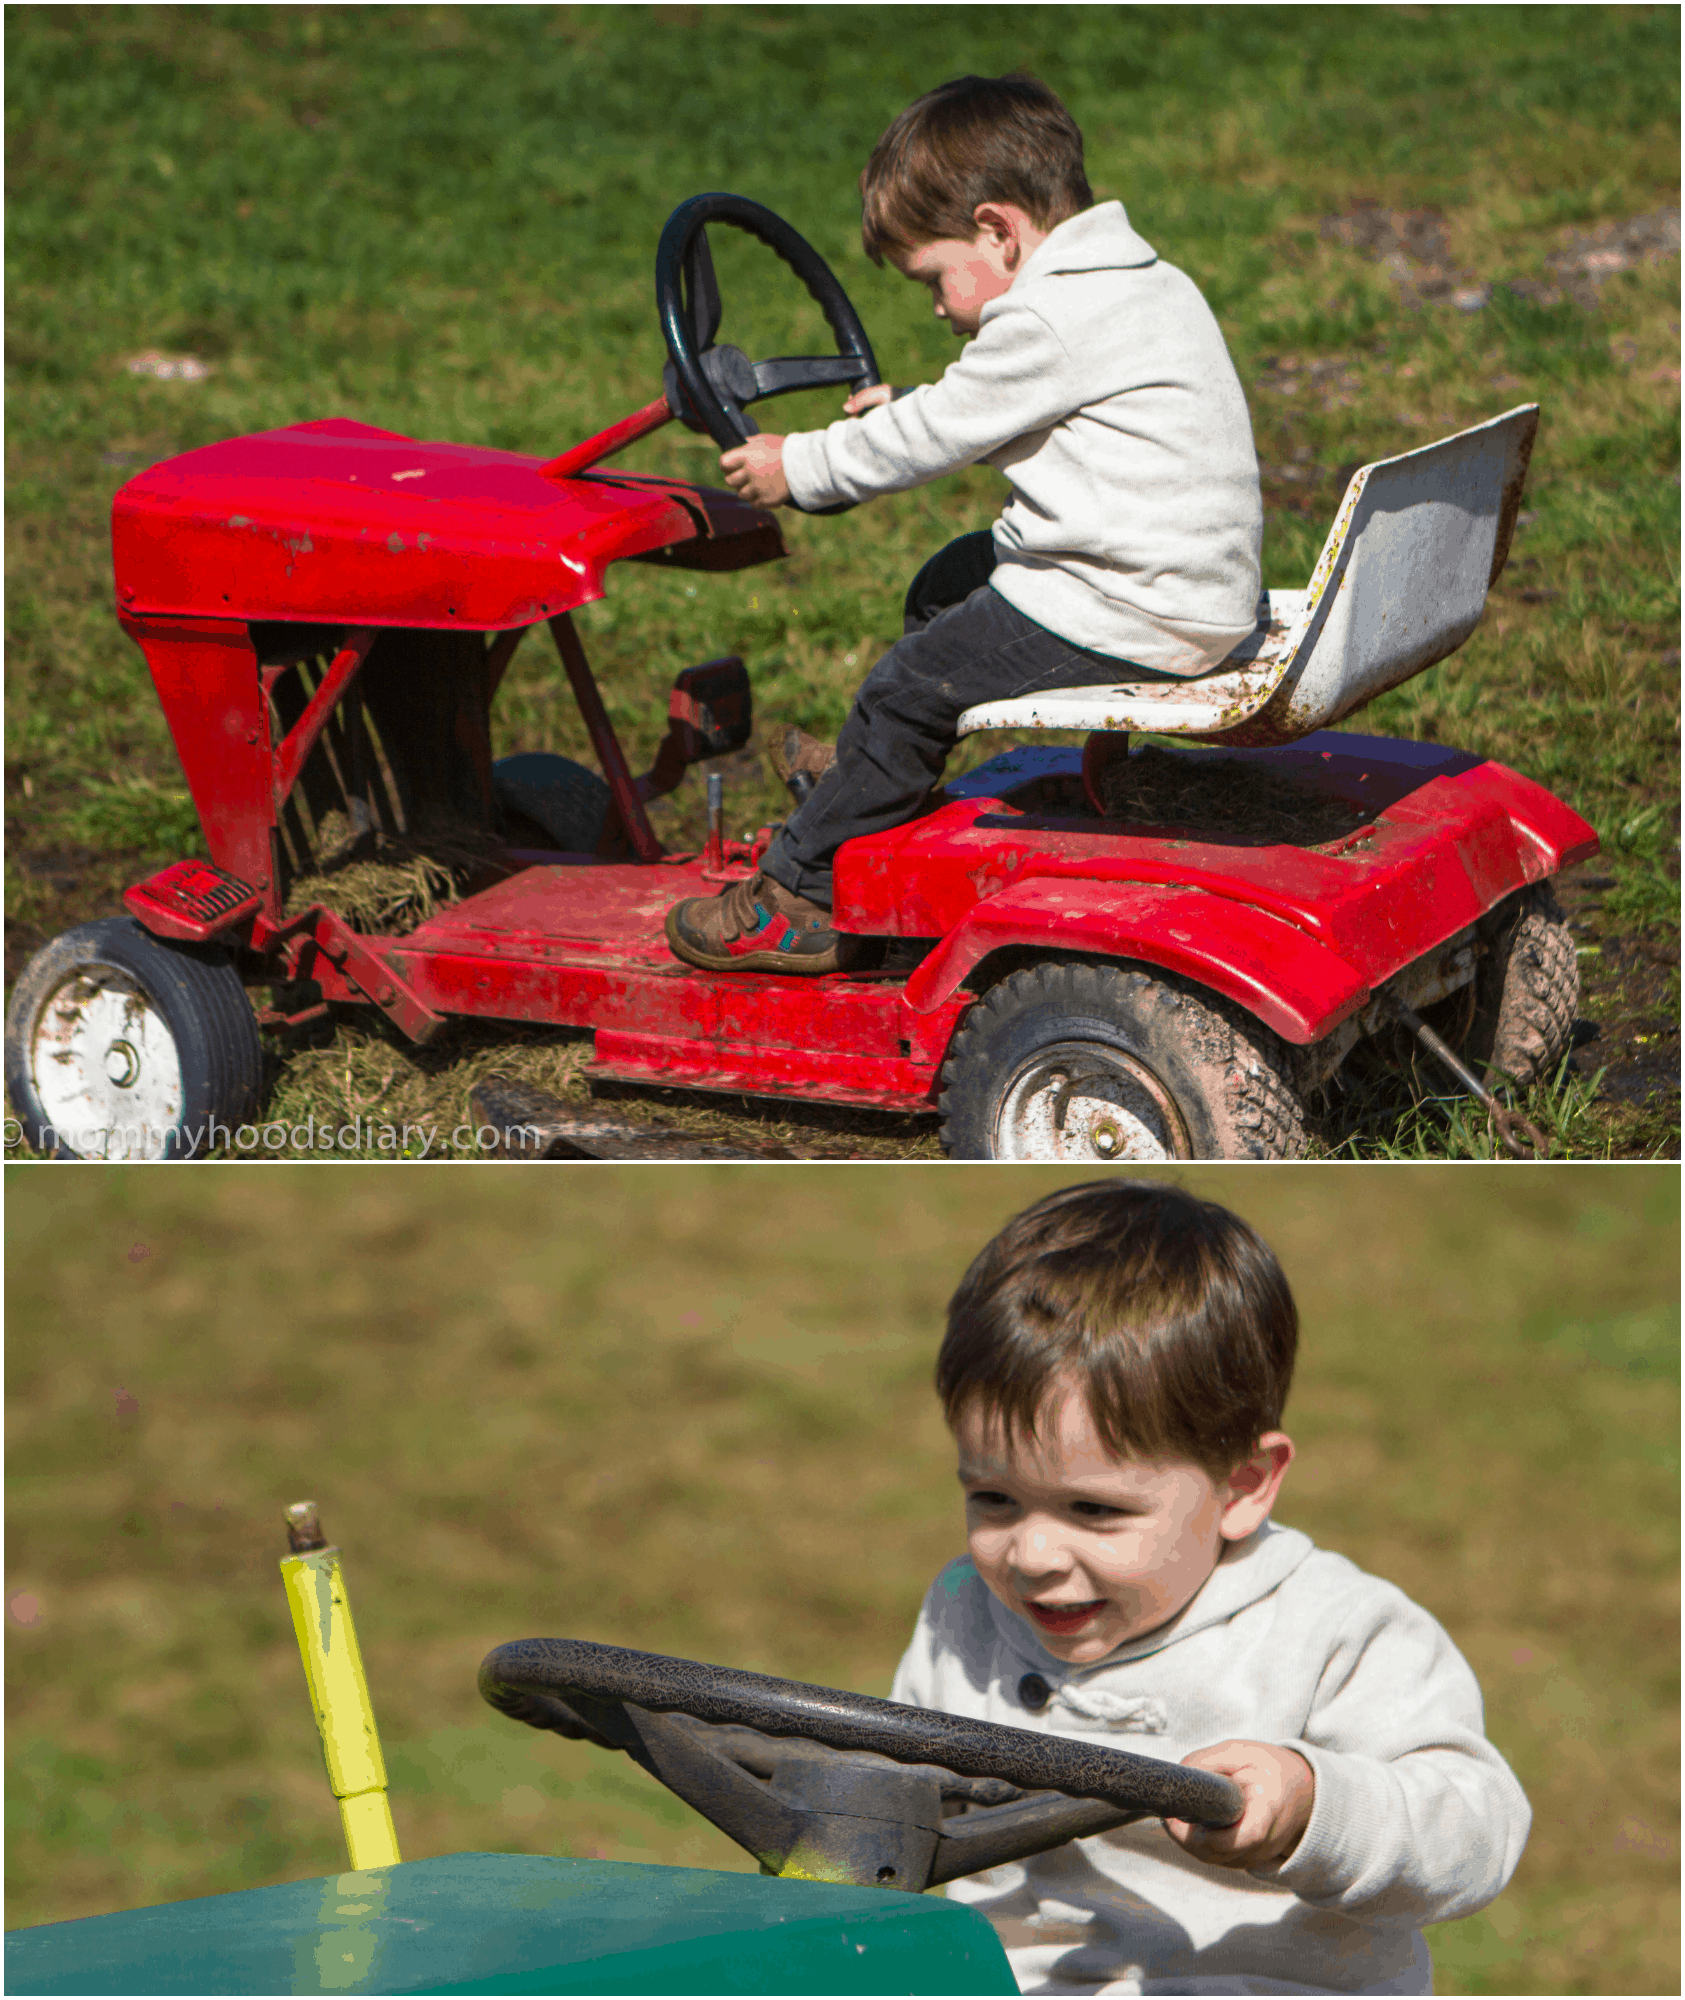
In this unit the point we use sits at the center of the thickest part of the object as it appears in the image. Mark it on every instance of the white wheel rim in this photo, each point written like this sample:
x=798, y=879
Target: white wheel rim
x=105, y=1067
x=1087, y=1104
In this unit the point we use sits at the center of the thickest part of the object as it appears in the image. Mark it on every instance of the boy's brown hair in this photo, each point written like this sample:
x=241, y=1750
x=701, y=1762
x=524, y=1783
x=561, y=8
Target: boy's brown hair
x=1171, y=1315
x=971, y=140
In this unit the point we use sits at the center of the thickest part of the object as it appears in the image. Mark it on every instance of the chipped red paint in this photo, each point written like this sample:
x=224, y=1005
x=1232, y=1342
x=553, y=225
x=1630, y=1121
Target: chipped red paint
x=885, y=1084
x=338, y=521
x=206, y=674
x=583, y=946
x=1454, y=834
x=1290, y=981
x=1301, y=938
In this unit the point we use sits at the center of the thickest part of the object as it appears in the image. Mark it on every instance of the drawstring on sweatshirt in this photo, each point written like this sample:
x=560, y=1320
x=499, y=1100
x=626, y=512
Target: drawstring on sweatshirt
x=1134, y=1714
x=1141, y=1714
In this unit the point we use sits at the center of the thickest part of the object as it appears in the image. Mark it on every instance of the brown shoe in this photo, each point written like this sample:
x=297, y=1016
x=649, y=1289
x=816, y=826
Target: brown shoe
x=758, y=926
x=799, y=759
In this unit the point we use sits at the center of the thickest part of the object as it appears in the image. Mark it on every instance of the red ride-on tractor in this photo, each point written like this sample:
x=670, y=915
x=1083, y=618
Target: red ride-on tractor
x=1118, y=952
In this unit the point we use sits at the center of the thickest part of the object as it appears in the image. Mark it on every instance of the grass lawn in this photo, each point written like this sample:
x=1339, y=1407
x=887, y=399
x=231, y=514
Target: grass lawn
x=699, y=1422
x=442, y=220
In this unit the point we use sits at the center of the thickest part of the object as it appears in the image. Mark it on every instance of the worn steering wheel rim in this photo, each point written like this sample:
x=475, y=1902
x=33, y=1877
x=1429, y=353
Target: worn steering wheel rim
x=512, y=1675
x=725, y=423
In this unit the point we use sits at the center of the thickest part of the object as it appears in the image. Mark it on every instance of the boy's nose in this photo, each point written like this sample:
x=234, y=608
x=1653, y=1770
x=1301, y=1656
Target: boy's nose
x=1037, y=1550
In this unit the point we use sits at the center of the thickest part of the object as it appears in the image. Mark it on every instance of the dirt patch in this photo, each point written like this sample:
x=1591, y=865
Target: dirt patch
x=1413, y=245
x=52, y=889
x=1236, y=803
x=1628, y=1017
x=1331, y=381
x=1587, y=259
x=1163, y=790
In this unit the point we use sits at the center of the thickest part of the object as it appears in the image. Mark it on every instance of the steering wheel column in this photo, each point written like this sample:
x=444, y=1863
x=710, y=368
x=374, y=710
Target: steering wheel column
x=800, y=1809
x=708, y=384
x=834, y=1787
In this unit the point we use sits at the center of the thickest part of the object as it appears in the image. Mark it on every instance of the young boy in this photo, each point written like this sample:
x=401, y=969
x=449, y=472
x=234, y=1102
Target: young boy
x=1114, y=1372
x=1097, y=381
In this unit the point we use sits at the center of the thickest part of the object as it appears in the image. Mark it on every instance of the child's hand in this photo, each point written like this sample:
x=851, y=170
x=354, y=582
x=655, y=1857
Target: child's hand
x=755, y=471
x=868, y=399
x=1278, y=1788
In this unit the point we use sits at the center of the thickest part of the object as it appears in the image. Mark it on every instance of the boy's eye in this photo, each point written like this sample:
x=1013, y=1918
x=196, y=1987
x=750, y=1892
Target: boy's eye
x=984, y=1497
x=1093, y=1509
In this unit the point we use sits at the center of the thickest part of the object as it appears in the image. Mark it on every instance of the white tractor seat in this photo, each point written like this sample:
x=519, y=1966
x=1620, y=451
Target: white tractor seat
x=1400, y=584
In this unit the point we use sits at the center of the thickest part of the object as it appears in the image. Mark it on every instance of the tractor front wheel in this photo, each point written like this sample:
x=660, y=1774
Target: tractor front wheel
x=120, y=1046
x=1100, y=1064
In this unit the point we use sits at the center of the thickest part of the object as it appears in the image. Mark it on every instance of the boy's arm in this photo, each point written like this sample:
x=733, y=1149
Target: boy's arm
x=1415, y=1817
x=755, y=470
x=1014, y=379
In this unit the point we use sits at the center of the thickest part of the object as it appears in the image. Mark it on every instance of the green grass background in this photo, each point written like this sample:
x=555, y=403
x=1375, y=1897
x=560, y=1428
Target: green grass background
x=688, y=1409
x=442, y=220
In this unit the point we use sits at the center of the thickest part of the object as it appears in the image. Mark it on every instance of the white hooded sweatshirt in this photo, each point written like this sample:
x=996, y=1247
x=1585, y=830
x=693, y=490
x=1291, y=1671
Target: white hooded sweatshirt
x=1416, y=1819
x=1100, y=386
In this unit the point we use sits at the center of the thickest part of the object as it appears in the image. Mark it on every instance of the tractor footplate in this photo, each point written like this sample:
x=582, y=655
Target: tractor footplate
x=191, y=900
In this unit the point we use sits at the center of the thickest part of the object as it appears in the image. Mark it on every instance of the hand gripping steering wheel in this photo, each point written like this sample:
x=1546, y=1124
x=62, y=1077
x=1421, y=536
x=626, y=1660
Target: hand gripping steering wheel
x=709, y=386
x=839, y=1787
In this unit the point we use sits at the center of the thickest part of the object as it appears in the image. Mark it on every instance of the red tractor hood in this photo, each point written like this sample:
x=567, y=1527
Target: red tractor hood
x=338, y=522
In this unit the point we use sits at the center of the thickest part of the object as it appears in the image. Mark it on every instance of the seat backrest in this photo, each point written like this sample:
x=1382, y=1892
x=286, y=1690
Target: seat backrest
x=1401, y=582
x=1402, y=579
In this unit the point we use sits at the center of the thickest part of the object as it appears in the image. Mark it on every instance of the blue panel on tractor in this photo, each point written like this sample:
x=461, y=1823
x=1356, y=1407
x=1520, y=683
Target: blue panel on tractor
x=523, y=1923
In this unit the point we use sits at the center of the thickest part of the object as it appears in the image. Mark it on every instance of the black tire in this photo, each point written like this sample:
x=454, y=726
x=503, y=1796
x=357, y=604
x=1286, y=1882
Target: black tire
x=1527, y=991
x=569, y=802
x=180, y=1050
x=1178, y=1073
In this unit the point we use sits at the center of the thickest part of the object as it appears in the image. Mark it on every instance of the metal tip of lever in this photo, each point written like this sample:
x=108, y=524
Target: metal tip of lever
x=304, y=1529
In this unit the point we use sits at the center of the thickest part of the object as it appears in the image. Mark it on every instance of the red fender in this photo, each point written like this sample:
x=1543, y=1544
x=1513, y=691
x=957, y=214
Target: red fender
x=1290, y=981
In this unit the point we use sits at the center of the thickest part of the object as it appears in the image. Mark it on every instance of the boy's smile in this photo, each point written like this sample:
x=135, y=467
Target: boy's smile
x=1092, y=1549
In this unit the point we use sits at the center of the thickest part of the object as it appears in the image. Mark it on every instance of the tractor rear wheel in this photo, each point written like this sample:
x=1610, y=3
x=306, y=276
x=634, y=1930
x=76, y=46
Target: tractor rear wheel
x=1527, y=991
x=122, y=1046
x=1100, y=1064
x=569, y=803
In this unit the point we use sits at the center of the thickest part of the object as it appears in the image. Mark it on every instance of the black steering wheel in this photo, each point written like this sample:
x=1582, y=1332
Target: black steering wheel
x=709, y=386
x=842, y=1787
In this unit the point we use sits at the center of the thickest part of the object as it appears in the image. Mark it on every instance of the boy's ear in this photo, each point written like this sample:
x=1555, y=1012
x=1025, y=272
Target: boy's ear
x=990, y=219
x=1255, y=1485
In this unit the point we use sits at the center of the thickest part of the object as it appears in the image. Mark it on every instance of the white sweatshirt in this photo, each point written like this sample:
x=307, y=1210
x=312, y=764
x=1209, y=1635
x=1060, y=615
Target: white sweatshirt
x=1417, y=1818
x=1101, y=387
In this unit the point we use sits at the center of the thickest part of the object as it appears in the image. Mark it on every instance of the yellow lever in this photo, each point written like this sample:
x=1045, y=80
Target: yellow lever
x=339, y=1693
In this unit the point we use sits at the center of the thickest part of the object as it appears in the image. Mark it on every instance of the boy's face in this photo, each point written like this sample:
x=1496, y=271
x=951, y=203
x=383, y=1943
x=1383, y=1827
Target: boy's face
x=1091, y=1549
x=963, y=276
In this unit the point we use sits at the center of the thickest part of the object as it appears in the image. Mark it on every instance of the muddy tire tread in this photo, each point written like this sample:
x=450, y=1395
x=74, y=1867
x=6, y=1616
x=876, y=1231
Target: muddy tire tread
x=1530, y=992
x=1253, y=1110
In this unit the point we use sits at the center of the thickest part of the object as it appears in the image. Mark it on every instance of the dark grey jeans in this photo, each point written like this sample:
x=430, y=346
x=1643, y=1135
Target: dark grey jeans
x=963, y=644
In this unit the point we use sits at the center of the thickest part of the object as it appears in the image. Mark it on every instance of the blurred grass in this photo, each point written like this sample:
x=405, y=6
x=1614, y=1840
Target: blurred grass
x=442, y=220
x=688, y=1409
